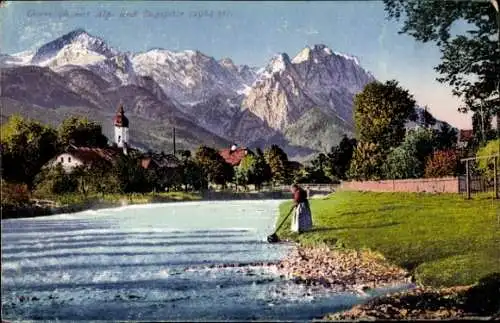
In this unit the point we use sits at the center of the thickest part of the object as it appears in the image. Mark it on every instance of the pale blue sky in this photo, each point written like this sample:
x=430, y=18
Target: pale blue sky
x=247, y=32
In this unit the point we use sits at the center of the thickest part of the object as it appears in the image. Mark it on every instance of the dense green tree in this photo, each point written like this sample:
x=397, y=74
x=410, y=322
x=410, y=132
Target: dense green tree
x=245, y=171
x=277, y=160
x=481, y=126
x=402, y=163
x=130, y=175
x=302, y=175
x=485, y=165
x=380, y=113
x=317, y=170
x=54, y=180
x=214, y=167
x=445, y=137
x=190, y=171
x=467, y=34
x=81, y=132
x=339, y=159
x=421, y=142
x=262, y=171
x=26, y=147
x=167, y=178
x=408, y=159
x=367, y=162
x=192, y=175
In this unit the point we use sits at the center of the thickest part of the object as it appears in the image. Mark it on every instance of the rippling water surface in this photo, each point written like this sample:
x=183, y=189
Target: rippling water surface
x=152, y=262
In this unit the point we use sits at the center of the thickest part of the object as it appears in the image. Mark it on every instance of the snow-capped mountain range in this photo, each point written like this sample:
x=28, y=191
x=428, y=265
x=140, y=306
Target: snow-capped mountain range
x=302, y=103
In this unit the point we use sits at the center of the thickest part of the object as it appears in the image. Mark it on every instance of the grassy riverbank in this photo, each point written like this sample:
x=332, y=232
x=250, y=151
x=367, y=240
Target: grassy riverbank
x=444, y=240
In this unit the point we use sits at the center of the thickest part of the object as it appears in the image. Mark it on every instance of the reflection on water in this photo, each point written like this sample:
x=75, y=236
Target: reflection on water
x=152, y=262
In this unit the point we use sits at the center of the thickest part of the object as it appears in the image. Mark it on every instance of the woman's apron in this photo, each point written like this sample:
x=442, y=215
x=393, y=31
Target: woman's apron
x=302, y=219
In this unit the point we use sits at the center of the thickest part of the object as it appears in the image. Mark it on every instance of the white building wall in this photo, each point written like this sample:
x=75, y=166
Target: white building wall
x=68, y=162
x=121, y=136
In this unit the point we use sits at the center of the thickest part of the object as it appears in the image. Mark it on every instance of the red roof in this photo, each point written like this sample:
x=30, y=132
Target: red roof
x=233, y=157
x=465, y=135
x=120, y=119
x=91, y=155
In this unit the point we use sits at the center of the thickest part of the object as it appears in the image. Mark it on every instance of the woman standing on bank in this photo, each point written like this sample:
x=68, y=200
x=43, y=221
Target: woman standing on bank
x=302, y=219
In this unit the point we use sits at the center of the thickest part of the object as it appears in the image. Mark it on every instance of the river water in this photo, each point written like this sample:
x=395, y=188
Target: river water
x=152, y=262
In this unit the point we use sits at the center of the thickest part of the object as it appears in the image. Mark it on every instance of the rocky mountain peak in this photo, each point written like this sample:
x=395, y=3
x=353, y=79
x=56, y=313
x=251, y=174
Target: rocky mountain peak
x=278, y=63
x=319, y=53
x=229, y=64
x=226, y=61
x=79, y=39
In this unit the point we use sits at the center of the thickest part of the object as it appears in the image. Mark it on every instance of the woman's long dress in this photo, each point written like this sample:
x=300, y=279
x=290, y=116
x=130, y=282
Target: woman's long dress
x=302, y=219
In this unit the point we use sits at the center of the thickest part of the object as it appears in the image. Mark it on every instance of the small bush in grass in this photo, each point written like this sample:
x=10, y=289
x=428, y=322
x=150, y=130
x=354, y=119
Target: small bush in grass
x=442, y=163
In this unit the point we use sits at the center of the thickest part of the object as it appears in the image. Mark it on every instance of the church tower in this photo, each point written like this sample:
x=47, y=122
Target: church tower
x=121, y=129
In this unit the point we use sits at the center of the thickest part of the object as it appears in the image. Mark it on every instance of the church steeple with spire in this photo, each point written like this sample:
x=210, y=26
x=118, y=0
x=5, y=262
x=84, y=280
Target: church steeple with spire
x=121, y=128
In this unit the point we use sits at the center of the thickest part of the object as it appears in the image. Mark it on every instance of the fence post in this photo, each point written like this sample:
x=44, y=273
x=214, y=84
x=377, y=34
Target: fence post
x=467, y=178
x=495, y=176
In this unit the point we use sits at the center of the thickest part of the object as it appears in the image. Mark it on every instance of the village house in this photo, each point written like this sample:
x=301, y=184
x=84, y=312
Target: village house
x=75, y=157
x=154, y=161
x=234, y=155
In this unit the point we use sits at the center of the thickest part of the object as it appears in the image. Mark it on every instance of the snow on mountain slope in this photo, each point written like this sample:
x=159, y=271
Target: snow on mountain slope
x=77, y=41
x=117, y=69
x=278, y=63
x=191, y=77
x=73, y=54
x=78, y=48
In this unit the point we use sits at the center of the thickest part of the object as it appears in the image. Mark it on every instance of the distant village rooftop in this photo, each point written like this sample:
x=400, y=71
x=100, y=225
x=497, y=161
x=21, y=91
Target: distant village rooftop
x=234, y=155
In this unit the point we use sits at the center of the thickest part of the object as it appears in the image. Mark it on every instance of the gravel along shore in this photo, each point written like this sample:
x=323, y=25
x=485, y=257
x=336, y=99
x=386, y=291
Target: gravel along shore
x=332, y=269
x=359, y=271
x=341, y=270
